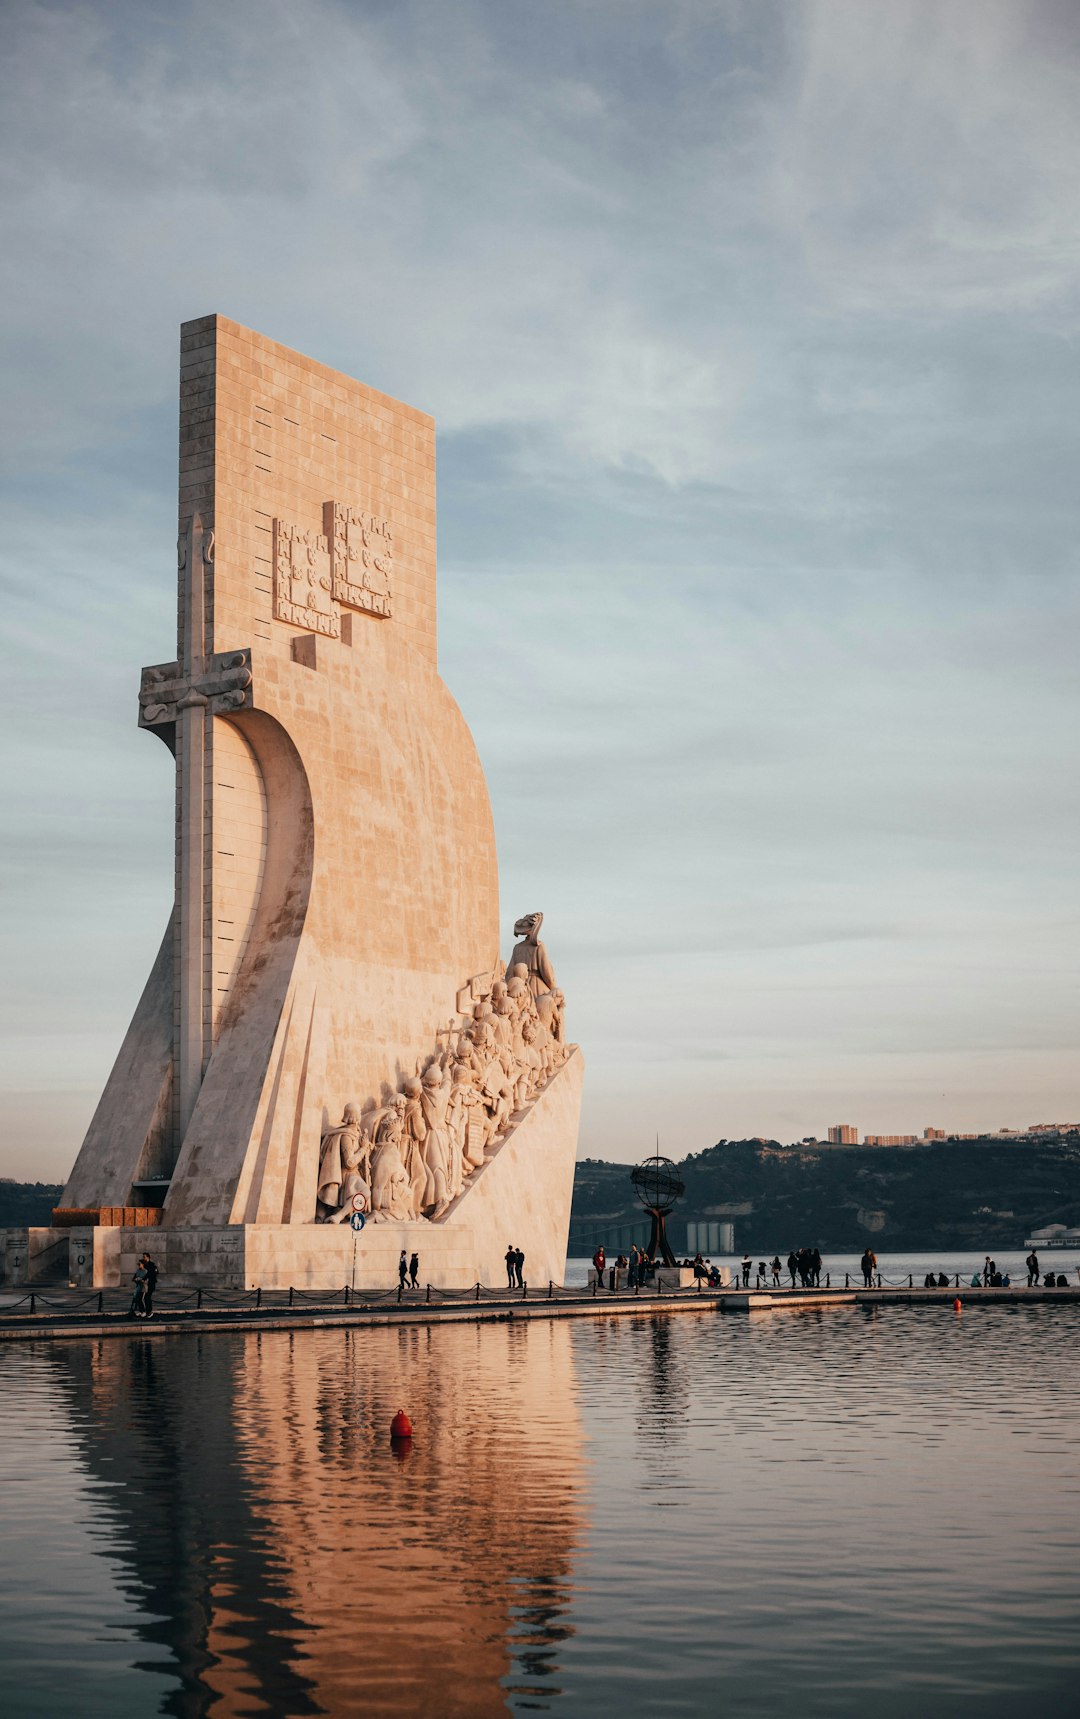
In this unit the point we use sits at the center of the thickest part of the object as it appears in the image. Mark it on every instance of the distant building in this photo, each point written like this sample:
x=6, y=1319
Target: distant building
x=844, y=1135
x=890, y=1139
x=934, y=1134
x=1054, y=1235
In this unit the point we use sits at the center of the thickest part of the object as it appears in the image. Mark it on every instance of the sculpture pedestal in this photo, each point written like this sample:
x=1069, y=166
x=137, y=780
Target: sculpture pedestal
x=520, y=1196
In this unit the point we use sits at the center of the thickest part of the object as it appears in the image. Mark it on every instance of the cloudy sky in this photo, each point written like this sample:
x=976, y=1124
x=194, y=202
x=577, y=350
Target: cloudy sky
x=750, y=330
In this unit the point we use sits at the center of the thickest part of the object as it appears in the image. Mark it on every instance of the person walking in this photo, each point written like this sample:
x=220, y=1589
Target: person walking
x=414, y=1271
x=747, y=1264
x=511, y=1263
x=519, y=1261
x=599, y=1260
x=402, y=1269
x=137, y=1310
x=151, y=1271
x=1032, y=1263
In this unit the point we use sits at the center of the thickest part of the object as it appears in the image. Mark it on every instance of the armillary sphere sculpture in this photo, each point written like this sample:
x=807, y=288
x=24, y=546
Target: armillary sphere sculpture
x=658, y=1188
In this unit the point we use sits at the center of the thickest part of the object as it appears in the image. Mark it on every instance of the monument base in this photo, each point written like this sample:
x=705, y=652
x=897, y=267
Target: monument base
x=520, y=1197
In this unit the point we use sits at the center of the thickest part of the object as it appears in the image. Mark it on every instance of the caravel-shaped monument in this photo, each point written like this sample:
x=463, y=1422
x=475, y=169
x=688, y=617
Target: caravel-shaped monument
x=328, y=1029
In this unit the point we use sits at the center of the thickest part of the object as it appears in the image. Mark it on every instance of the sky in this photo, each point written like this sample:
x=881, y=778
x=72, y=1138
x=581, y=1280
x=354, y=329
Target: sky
x=750, y=331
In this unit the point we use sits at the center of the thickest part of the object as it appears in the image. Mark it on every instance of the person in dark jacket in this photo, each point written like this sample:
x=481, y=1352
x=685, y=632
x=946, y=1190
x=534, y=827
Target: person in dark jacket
x=414, y=1271
x=403, y=1268
x=151, y=1271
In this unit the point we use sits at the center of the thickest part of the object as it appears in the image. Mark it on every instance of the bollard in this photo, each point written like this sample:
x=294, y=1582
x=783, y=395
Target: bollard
x=346, y=1295
x=101, y=1301
x=910, y=1284
x=826, y=1280
x=198, y=1297
x=524, y=1291
x=428, y=1296
x=290, y=1295
x=847, y=1280
x=594, y=1289
x=400, y=1289
x=551, y=1289
x=258, y=1297
x=958, y=1280
x=33, y=1301
x=879, y=1280
x=478, y=1292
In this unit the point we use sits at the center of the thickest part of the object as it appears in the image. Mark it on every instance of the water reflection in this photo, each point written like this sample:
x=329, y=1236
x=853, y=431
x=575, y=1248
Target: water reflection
x=290, y=1561
x=849, y=1510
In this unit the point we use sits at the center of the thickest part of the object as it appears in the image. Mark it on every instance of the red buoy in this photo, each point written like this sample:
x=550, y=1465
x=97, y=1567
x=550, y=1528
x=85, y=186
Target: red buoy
x=958, y=1304
x=401, y=1425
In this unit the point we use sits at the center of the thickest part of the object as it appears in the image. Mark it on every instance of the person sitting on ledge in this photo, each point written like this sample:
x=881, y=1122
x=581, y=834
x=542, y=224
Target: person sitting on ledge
x=942, y=1280
x=929, y=1281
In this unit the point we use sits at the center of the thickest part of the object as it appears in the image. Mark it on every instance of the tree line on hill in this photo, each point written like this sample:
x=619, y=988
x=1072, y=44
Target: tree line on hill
x=961, y=1195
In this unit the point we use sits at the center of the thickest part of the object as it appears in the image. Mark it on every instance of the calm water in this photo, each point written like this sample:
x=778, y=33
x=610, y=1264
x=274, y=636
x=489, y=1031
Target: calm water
x=832, y=1512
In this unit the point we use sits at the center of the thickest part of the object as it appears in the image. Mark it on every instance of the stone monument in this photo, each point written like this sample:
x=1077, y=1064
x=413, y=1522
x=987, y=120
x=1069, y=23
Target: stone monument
x=328, y=1033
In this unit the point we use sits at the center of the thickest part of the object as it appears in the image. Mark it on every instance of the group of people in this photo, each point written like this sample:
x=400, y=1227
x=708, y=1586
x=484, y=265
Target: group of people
x=706, y=1272
x=410, y=1158
x=144, y=1283
x=515, y=1261
x=408, y=1270
x=803, y=1266
x=634, y=1269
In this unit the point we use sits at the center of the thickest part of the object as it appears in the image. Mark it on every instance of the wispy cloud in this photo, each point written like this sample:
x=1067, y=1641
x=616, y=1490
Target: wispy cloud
x=748, y=328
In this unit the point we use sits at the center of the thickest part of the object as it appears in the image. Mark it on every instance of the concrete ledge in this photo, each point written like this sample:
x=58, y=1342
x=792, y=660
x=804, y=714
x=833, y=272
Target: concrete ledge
x=18, y=1324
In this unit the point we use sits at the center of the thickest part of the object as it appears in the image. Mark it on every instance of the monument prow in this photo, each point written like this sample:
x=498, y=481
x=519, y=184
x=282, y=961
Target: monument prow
x=336, y=880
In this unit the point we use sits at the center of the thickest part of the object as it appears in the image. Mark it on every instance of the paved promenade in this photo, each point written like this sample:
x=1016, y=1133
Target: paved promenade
x=54, y=1312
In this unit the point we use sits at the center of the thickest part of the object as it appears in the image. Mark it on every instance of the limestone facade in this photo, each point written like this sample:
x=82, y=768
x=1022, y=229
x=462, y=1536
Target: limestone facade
x=336, y=881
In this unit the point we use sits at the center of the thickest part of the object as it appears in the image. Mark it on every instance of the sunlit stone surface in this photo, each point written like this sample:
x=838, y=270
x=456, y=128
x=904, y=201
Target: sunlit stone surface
x=335, y=940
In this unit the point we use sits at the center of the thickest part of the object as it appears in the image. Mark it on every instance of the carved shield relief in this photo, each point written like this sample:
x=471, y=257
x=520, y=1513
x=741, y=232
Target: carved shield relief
x=303, y=581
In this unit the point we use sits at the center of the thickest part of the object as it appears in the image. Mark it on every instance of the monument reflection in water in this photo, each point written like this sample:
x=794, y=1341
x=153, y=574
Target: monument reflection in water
x=287, y=1559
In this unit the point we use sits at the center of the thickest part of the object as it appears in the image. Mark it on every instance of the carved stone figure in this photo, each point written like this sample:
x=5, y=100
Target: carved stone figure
x=465, y=1120
x=391, y=1187
x=531, y=954
x=414, y=1136
x=343, y=1150
x=435, y=1092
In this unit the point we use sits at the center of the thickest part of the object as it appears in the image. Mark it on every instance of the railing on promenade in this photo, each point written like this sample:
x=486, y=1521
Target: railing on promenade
x=117, y=1303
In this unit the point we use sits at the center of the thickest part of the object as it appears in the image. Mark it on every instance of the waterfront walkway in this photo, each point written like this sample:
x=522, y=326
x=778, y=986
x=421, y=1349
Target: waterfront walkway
x=55, y=1312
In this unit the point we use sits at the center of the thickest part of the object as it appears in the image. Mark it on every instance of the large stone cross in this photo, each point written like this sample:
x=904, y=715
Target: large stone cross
x=180, y=696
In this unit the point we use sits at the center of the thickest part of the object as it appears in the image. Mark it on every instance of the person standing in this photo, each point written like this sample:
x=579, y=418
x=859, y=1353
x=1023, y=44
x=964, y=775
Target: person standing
x=1032, y=1263
x=510, y=1257
x=632, y=1273
x=151, y=1271
x=137, y=1310
x=776, y=1269
x=519, y=1262
x=402, y=1269
x=599, y=1260
x=867, y=1263
x=815, y=1267
x=747, y=1263
x=792, y=1265
x=414, y=1271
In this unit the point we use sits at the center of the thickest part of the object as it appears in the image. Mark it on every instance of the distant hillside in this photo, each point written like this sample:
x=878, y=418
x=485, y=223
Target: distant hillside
x=968, y=1194
x=28, y=1202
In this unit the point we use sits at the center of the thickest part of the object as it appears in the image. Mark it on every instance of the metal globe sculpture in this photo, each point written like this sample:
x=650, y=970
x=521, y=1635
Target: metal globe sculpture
x=658, y=1187
x=657, y=1183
